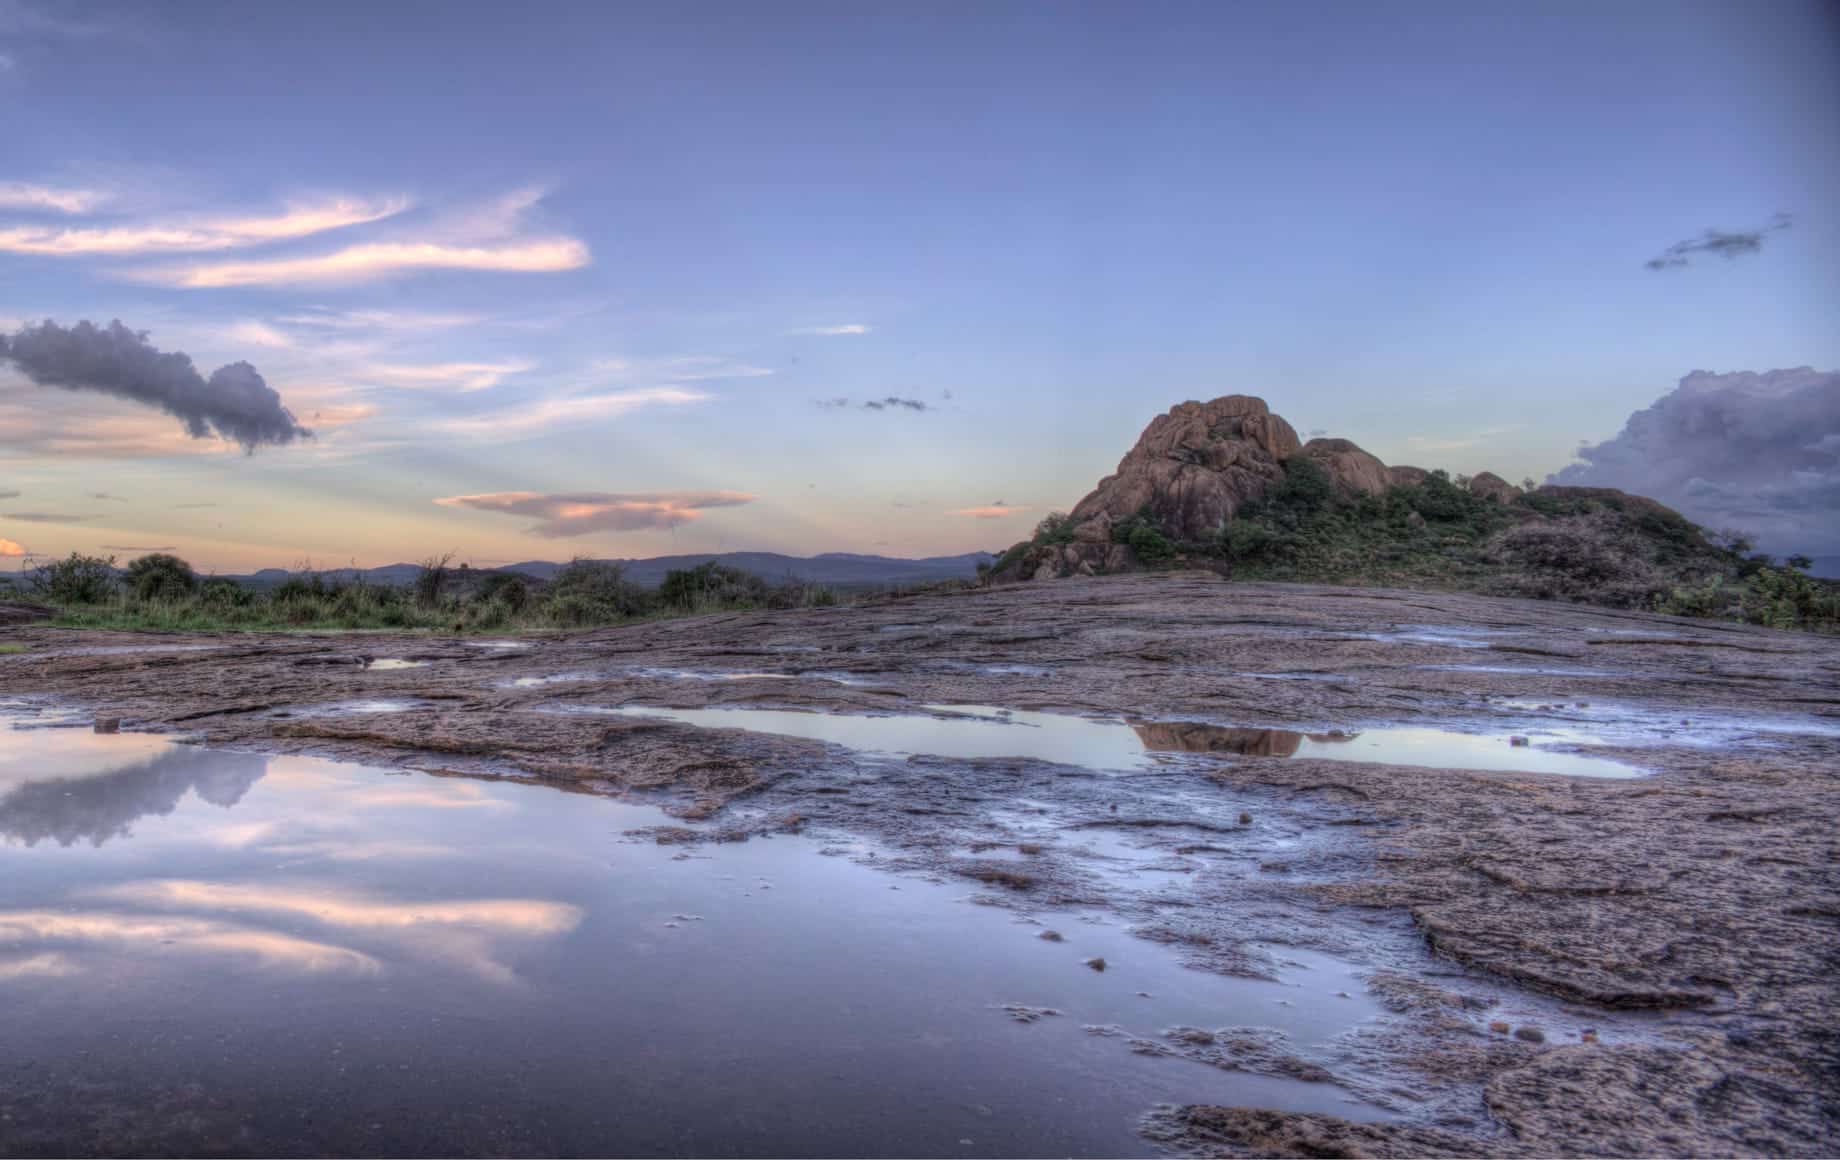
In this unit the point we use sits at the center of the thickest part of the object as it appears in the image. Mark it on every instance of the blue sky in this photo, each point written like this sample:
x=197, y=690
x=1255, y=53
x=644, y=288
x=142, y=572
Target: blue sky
x=615, y=256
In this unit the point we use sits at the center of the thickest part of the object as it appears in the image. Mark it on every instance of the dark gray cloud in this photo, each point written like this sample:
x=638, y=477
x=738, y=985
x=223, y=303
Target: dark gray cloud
x=1721, y=243
x=1759, y=453
x=46, y=518
x=234, y=403
x=107, y=496
x=892, y=402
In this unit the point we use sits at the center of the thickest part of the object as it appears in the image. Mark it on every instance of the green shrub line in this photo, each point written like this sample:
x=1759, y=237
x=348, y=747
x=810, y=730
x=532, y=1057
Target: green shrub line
x=163, y=592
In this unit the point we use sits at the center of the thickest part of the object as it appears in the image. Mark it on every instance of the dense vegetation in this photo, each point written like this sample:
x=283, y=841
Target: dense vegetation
x=163, y=591
x=1586, y=545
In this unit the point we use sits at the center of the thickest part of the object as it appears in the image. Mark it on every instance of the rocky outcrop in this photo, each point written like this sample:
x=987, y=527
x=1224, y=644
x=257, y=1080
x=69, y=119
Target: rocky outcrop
x=1348, y=467
x=1195, y=466
x=1488, y=485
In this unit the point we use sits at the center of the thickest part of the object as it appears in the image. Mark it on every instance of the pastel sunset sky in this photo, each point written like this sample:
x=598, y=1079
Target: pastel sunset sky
x=625, y=280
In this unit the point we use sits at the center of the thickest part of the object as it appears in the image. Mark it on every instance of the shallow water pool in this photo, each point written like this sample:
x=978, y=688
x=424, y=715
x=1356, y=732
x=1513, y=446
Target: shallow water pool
x=208, y=951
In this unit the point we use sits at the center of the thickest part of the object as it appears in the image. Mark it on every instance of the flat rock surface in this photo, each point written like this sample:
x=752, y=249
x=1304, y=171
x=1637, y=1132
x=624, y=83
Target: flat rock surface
x=1574, y=965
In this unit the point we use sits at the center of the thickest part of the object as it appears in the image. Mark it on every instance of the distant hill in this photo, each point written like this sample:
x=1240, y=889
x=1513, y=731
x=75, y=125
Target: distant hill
x=837, y=569
x=1826, y=567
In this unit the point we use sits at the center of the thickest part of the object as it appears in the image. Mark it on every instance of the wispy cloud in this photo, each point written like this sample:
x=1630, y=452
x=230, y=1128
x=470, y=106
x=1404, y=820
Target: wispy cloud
x=137, y=548
x=46, y=518
x=197, y=234
x=369, y=262
x=839, y=331
x=579, y=513
x=1459, y=442
x=1721, y=243
x=253, y=333
x=453, y=376
x=680, y=369
x=994, y=511
x=320, y=318
x=578, y=408
x=19, y=195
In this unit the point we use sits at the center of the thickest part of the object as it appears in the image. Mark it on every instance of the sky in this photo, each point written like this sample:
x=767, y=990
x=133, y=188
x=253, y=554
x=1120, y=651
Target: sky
x=634, y=279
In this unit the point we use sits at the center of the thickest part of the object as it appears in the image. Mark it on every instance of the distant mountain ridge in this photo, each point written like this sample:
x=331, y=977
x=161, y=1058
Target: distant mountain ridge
x=839, y=569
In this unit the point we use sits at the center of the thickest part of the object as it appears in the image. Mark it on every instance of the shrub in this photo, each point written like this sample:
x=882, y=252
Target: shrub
x=1582, y=558
x=431, y=580
x=160, y=576
x=710, y=583
x=221, y=593
x=76, y=579
x=592, y=591
x=506, y=588
x=1054, y=528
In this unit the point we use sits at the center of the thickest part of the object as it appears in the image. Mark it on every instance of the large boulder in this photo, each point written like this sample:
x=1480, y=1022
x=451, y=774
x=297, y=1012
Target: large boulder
x=1195, y=466
x=1404, y=476
x=1488, y=485
x=1348, y=467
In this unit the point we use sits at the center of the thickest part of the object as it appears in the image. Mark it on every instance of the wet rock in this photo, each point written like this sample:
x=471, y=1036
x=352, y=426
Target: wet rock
x=108, y=725
x=1530, y=1035
x=1025, y=1014
x=1050, y=936
x=1096, y=963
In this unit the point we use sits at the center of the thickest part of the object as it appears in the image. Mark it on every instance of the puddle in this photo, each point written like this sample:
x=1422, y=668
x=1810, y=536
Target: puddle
x=1447, y=635
x=553, y=679
x=971, y=732
x=981, y=731
x=389, y=664
x=994, y=670
x=499, y=644
x=341, y=708
x=1647, y=724
x=658, y=674
x=461, y=967
x=1521, y=670
x=1436, y=748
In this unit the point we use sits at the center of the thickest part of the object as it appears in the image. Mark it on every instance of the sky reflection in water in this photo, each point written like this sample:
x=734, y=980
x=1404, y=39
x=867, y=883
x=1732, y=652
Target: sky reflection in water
x=309, y=956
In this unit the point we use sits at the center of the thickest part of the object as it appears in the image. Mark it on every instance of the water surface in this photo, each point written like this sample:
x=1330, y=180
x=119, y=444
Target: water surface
x=206, y=951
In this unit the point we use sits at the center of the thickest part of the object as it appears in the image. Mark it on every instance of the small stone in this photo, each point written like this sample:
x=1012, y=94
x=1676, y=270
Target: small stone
x=1097, y=964
x=1589, y=1035
x=1245, y=819
x=1530, y=1034
x=1500, y=1028
x=1050, y=936
x=108, y=724
x=1518, y=741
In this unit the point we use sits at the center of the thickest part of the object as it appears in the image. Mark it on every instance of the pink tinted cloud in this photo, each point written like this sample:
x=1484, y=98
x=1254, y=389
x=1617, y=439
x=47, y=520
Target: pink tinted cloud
x=578, y=513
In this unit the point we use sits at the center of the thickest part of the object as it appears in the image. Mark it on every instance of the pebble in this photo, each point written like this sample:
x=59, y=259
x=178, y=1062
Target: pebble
x=1530, y=1034
x=1245, y=819
x=1500, y=1028
x=1050, y=935
x=1518, y=741
x=108, y=724
x=1096, y=964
